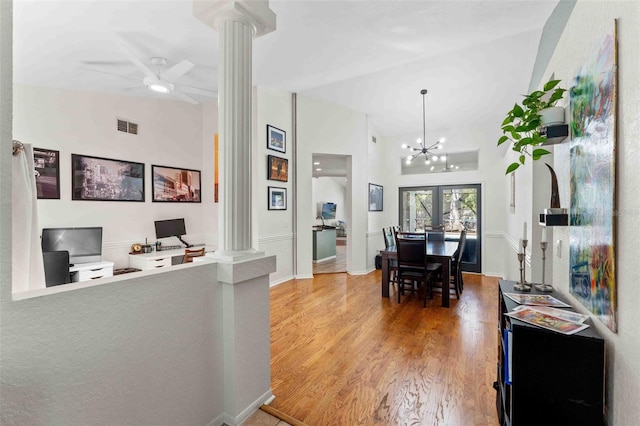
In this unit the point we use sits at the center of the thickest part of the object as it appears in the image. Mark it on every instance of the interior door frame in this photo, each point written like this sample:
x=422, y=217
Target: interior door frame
x=437, y=214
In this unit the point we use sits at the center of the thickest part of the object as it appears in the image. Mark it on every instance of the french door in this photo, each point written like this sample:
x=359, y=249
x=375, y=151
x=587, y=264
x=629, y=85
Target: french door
x=456, y=207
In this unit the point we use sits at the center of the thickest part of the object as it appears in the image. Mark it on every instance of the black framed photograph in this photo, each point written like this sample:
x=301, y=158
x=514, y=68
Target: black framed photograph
x=375, y=198
x=277, y=168
x=277, y=198
x=276, y=139
x=106, y=179
x=171, y=184
x=46, y=163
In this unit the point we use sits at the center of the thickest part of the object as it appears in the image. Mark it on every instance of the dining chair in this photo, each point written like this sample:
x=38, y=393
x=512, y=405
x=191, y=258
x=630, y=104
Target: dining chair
x=389, y=241
x=454, y=281
x=412, y=266
x=456, y=264
x=190, y=254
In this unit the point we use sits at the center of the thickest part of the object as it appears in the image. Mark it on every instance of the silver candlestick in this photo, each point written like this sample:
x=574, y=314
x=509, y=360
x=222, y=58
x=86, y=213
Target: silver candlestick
x=547, y=288
x=522, y=285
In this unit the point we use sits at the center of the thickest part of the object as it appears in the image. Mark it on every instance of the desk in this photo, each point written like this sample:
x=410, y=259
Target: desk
x=90, y=271
x=159, y=259
x=437, y=251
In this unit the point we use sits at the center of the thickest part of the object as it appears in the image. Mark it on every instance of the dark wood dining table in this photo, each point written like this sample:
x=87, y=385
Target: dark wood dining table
x=437, y=251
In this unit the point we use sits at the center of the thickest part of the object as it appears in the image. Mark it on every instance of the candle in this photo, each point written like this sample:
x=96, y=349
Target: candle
x=544, y=235
x=524, y=231
x=520, y=247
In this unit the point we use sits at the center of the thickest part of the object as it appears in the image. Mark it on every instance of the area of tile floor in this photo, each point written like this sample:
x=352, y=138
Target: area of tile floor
x=260, y=418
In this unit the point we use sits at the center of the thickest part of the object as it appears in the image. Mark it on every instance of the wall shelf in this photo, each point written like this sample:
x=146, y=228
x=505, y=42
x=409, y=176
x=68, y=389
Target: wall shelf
x=555, y=134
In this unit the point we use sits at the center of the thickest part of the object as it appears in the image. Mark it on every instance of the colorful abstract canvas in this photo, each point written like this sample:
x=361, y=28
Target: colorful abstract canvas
x=592, y=180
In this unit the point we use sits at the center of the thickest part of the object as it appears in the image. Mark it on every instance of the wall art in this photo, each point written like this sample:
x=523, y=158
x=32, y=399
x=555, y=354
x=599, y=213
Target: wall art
x=105, y=179
x=593, y=100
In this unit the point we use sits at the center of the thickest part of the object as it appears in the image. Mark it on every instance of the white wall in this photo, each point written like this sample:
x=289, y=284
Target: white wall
x=327, y=189
x=588, y=24
x=274, y=228
x=325, y=128
x=73, y=122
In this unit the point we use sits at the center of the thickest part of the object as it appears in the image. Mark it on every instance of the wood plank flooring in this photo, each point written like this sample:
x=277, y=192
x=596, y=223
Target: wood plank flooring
x=343, y=355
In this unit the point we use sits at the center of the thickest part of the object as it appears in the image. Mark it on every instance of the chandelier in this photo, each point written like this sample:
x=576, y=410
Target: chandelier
x=423, y=149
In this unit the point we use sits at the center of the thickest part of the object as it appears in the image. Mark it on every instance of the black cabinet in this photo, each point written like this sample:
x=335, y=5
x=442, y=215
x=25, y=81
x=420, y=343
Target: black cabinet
x=554, y=378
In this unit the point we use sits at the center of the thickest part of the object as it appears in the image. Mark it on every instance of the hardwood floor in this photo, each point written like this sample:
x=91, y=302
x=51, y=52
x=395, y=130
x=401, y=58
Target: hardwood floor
x=343, y=355
x=338, y=264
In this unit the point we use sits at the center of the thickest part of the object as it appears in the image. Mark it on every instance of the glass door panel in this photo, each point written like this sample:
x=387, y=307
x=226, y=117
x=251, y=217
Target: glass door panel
x=460, y=210
x=416, y=209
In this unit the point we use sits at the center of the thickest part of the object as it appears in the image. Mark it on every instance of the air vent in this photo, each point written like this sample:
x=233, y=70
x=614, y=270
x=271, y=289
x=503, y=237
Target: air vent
x=122, y=126
x=127, y=127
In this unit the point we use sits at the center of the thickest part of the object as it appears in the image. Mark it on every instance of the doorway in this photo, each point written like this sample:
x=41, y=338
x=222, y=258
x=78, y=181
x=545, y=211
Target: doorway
x=330, y=210
x=456, y=207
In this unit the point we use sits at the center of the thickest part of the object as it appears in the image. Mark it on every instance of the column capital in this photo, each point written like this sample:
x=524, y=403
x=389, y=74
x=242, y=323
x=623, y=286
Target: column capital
x=255, y=13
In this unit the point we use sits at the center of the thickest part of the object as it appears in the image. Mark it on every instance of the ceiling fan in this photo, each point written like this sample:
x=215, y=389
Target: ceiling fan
x=162, y=80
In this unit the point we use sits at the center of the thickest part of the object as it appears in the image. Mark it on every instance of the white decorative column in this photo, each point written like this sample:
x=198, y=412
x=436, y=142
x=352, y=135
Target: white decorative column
x=238, y=22
x=242, y=271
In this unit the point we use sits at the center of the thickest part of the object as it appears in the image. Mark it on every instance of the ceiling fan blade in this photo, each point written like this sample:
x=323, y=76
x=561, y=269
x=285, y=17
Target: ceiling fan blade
x=126, y=49
x=131, y=77
x=184, y=97
x=177, y=71
x=197, y=91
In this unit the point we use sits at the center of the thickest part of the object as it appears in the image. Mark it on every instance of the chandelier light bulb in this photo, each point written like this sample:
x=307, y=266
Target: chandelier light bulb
x=439, y=146
x=435, y=158
x=443, y=158
x=432, y=167
x=404, y=146
x=442, y=140
x=427, y=162
x=419, y=140
x=408, y=161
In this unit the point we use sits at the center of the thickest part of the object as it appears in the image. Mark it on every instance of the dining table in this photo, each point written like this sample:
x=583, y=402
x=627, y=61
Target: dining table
x=437, y=251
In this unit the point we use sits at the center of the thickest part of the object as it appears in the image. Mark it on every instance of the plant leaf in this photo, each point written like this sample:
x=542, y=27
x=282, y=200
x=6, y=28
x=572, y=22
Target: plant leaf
x=537, y=153
x=512, y=167
x=550, y=85
x=507, y=120
x=508, y=128
x=515, y=136
x=517, y=111
x=522, y=158
x=502, y=140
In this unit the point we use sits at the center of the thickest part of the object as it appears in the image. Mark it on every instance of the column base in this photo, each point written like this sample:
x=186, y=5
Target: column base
x=235, y=255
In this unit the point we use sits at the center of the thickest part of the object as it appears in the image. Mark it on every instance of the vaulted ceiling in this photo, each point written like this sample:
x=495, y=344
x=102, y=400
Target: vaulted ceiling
x=474, y=57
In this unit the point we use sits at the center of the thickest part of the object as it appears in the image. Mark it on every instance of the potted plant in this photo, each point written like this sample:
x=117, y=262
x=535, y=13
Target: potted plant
x=523, y=123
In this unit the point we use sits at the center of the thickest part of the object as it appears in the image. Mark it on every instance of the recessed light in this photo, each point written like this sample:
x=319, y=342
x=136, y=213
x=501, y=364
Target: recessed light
x=318, y=169
x=316, y=163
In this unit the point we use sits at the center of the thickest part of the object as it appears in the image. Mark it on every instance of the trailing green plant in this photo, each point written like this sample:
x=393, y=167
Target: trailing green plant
x=522, y=125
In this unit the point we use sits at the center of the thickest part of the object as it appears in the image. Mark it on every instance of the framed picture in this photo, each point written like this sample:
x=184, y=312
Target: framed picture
x=171, y=184
x=47, y=169
x=375, y=198
x=277, y=198
x=276, y=139
x=105, y=179
x=277, y=168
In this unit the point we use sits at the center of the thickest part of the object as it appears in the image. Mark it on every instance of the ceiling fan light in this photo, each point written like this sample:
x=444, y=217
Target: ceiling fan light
x=158, y=88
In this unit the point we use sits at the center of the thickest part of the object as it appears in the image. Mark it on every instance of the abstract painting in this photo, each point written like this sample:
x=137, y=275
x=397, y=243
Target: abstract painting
x=593, y=102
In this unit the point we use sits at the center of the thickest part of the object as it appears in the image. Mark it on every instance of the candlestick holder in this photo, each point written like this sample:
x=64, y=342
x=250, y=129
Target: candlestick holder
x=522, y=285
x=546, y=288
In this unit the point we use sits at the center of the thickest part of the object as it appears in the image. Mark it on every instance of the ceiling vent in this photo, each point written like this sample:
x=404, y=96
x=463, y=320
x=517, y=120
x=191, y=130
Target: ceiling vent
x=127, y=127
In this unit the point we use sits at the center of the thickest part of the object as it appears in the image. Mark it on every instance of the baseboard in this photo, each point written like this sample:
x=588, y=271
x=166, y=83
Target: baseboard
x=280, y=281
x=218, y=421
x=246, y=413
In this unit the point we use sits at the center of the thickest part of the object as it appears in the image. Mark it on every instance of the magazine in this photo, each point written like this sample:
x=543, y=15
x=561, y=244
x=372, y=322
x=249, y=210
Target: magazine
x=536, y=300
x=558, y=313
x=546, y=321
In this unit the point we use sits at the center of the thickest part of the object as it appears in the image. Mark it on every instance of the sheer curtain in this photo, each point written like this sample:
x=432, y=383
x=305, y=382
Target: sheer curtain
x=27, y=264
